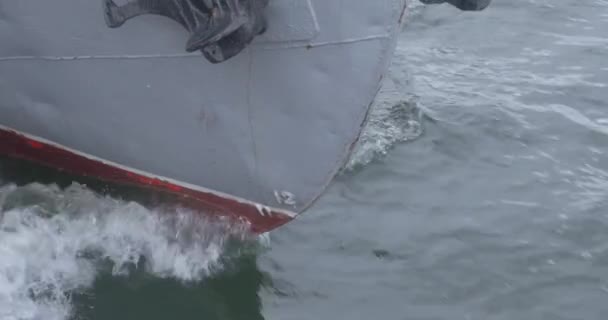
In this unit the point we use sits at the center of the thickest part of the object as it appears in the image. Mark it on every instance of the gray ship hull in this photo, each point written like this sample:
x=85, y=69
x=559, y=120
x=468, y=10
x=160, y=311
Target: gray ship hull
x=258, y=137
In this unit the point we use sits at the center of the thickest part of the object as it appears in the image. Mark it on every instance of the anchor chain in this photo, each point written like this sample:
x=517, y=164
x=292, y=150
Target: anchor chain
x=220, y=29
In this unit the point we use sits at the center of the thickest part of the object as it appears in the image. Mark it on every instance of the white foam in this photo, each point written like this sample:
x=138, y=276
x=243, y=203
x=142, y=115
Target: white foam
x=395, y=117
x=52, y=240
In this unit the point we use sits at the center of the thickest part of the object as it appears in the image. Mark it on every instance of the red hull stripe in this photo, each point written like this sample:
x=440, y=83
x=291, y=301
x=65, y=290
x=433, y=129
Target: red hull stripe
x=18, y=145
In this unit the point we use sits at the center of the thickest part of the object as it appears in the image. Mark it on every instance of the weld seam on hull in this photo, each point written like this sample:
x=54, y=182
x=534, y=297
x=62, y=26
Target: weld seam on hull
x=186, y=55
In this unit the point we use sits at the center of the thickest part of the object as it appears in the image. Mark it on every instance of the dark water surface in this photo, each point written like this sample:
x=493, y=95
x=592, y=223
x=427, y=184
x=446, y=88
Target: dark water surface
x=479, y=191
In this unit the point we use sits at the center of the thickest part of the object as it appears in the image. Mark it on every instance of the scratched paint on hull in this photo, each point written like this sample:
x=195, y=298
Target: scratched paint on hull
x=259, y=218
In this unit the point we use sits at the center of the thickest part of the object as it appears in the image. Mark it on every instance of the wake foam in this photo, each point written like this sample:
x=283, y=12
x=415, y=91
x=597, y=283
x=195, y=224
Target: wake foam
x=395, y=117
x=54, y=242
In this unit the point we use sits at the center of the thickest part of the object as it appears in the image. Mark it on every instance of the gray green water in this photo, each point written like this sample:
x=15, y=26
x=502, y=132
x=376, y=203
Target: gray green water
x=479, y=191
